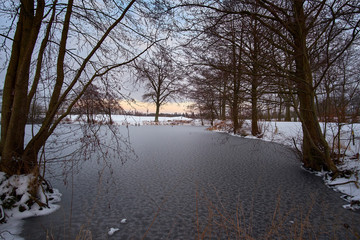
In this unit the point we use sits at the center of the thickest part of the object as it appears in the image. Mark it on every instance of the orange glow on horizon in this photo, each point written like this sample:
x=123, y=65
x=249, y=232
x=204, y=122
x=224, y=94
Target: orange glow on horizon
x=146, y=107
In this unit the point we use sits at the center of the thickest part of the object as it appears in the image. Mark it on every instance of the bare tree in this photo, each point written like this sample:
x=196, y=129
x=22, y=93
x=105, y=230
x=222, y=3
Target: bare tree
x=91, y=103
x=335, y=95
x=216, y=47
x=45, y=35
x=205, y=90
x=301, y=30
x=157, y=72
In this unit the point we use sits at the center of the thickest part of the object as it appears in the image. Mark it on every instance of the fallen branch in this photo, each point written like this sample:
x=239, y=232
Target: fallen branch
x=337, y=184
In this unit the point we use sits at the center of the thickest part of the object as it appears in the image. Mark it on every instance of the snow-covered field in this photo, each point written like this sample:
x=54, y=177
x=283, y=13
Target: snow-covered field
x=134, y=120
x=287, y=133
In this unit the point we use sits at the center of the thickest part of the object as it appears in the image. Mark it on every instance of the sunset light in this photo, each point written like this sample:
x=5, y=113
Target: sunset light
x=146, y=107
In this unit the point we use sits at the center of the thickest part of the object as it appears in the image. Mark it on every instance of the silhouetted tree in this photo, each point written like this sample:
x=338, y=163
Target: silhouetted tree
x=45, y=34
x=157, y=72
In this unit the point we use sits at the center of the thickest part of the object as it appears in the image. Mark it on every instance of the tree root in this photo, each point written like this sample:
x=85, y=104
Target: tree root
x=41, y=204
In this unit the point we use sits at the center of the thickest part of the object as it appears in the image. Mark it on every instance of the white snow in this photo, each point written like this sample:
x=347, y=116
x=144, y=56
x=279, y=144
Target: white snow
x=112, y=231
x=349, y=186
x=19, y=183
x=133, y=120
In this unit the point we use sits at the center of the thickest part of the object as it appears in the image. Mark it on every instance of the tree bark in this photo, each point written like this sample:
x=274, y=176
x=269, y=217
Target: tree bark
x=255, y=80
x=14, y=108
x=223, y=98
x=254, y=111
x=237, y=73
x=157, y=112
x=287, y=111
x=316, y=154
x=280, y=109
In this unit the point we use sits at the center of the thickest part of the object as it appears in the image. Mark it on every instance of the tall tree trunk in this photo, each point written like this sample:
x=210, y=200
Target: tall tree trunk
x=235, y=113
x=37, y=142
x=316, y=154
x=254, y=111
x=237, y=73
x=157, y=112
x=280, y=109
x=222, y=109
x=223, y=99
x=255, y=79
x=14, y=108
x=287, y=111
x=212, y=113
x=268, y=117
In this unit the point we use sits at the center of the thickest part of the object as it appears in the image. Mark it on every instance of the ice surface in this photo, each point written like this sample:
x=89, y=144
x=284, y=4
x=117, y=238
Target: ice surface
x=290, y=133
x=178, y=167
x=281, y=132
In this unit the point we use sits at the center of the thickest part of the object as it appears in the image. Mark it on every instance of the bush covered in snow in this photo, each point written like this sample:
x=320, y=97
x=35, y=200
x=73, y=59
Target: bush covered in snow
x=20, y=197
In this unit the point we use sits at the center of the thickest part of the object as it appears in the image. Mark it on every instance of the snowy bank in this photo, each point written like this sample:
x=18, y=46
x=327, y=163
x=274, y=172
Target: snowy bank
x=17, y=203
x=130, y=120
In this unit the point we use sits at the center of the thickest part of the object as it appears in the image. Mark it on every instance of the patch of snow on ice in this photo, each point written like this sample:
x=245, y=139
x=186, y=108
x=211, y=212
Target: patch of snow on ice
x=112, y=231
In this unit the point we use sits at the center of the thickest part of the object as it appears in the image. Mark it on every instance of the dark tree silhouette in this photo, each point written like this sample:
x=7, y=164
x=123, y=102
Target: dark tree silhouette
x=157, y=72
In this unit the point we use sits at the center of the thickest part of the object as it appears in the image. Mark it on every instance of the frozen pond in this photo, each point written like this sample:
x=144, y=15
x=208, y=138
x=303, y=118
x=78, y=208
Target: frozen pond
x=187, y=181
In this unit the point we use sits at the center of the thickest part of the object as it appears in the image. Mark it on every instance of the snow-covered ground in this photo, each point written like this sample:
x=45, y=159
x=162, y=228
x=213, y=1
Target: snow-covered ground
x=133, y=120
x=18, y=186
